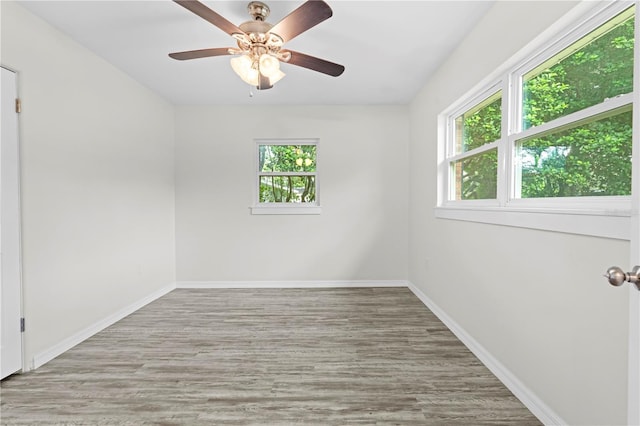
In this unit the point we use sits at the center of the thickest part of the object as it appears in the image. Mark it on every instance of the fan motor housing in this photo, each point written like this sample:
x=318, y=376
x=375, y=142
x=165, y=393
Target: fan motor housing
x=255, y=27
x=258, y=10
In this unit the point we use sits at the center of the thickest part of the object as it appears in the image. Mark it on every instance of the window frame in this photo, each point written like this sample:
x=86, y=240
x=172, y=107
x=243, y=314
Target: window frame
x=451, y=151
x=259, y=208
x=603, y=216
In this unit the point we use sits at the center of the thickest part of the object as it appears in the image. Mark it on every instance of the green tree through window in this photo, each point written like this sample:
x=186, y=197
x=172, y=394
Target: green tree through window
x=588, y=160
x=588, y=157
x=476, y=175
x=287, y=173
x=593, y=158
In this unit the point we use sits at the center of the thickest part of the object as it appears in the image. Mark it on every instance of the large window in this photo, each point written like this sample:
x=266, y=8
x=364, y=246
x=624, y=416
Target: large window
x=287, y=176
x=591, y=158
x=585, y=150
x=552, y=131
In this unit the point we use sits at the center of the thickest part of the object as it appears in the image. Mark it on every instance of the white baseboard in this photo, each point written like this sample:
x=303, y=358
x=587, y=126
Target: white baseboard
x=539, y=409
x=291, y=284
x=68, y=343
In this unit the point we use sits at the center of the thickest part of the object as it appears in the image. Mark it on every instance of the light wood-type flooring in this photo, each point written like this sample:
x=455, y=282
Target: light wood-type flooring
x=347, y=356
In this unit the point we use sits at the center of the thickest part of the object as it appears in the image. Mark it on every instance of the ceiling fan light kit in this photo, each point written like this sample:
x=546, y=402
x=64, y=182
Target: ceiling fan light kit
x=259, y=52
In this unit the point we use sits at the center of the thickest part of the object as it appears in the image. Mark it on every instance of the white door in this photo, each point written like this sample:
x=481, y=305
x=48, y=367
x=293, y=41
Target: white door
x=634, y=340
x=633, y=416
x=10, y=269
x=633, y=289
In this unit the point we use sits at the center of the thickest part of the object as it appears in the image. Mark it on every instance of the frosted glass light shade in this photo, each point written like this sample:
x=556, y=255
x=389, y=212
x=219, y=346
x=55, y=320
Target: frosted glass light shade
x=252, y=77
x=269, y=65
x=242, y=65
x=276, y=77
x=247, y=69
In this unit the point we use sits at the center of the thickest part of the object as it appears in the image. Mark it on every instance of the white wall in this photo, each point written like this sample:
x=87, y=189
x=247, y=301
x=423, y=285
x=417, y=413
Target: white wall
x=536, y=300
x=97, y=183
x=362, y=231
x=98, y=210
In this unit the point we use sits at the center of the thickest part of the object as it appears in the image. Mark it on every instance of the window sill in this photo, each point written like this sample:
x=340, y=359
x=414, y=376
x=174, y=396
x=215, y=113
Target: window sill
x=286, y=210
x=591, y=222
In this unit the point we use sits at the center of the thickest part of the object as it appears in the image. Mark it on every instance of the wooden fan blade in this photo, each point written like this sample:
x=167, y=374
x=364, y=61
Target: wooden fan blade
x=209, y=15
x=300, y=20
x=316, y=64
x=202, y=53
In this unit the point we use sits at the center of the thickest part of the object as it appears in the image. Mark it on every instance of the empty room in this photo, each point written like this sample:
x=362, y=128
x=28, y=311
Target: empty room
x=307, y=212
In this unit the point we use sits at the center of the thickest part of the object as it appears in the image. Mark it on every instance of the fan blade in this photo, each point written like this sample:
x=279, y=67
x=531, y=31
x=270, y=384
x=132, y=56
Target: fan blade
x=202, y=53
x=300, y=20
x=316, y=64
x=209, y=15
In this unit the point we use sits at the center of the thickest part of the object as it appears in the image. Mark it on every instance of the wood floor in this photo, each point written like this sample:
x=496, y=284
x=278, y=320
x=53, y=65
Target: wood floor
x=267, y=357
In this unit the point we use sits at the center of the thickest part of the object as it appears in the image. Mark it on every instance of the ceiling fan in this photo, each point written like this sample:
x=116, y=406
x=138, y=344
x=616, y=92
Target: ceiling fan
x=259, y=53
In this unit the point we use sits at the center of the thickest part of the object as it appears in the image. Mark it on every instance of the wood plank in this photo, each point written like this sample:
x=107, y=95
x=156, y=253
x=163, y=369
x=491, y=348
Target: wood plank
x=268, y=356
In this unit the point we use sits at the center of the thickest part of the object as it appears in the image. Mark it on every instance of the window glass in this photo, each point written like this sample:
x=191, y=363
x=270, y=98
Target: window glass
x=475, y=177
x=586, y=160
x=598, y=67
x=287, y=173
x=479, y=125
x=287, y=189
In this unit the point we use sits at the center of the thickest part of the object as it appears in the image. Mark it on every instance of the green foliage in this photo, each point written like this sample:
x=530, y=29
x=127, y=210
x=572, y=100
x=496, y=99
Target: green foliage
x=545, y=97
x=600, y=70
x=479, y=176
x=287, y=158
x=286, y=187
x=482, y=126
x=593, y=158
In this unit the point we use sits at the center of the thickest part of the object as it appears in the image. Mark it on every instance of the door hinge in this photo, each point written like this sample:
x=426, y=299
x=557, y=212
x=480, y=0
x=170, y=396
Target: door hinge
x=18, y=105
x=21, y=325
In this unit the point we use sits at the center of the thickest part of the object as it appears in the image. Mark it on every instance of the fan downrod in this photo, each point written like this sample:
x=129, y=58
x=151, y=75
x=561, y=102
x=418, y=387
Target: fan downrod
x=258, y=10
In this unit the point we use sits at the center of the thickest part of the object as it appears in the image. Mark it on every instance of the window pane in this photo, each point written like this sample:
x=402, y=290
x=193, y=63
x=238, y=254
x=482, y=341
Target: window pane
x=287, y=158
x=287, y=189
x=587, y=160
x=476, y=176
x=598, y=67
x=479, y=125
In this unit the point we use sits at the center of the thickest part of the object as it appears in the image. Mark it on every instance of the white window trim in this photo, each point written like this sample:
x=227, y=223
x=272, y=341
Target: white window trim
x=285, y=208
x=595, y=216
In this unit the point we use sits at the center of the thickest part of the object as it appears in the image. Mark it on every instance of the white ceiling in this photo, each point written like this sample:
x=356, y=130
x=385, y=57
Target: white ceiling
x=389, y=48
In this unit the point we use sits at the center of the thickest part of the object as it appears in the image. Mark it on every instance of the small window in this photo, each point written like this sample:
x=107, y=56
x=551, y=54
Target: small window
x=475, y=176
x=287, y=177
x=479, y=125
x=474, y=159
